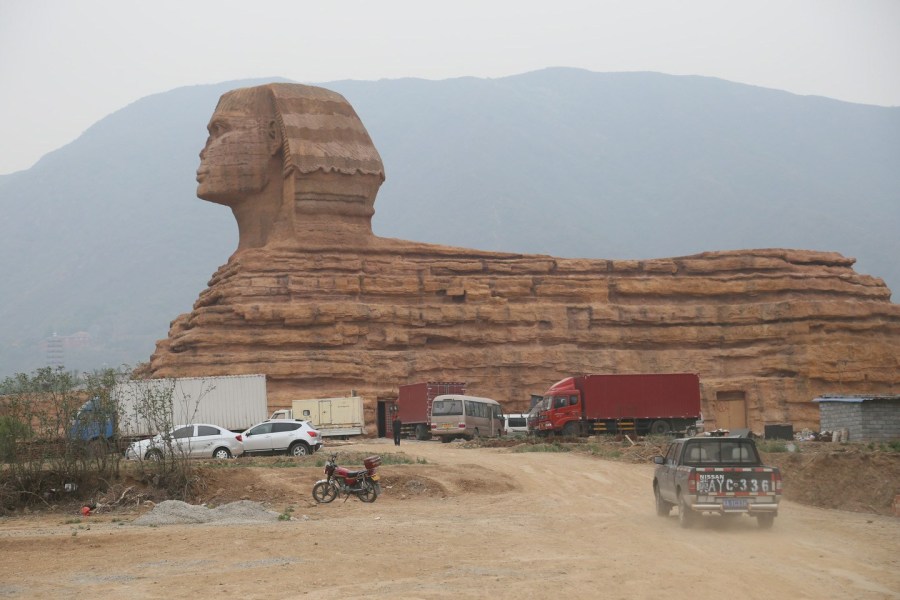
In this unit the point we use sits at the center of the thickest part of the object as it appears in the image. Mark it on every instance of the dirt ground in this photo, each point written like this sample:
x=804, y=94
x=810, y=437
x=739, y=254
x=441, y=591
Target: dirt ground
x=466, y=522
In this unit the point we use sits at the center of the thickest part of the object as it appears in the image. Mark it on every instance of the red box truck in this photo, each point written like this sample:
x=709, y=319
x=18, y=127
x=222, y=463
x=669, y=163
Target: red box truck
x=414, y=405
x=637, y=404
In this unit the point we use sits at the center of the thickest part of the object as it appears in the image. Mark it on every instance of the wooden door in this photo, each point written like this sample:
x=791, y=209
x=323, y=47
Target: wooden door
x=731, y=410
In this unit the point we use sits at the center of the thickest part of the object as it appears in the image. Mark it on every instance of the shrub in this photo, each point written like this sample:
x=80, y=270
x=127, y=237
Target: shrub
x=47, y=441
x=543, y=447
x=772, y=445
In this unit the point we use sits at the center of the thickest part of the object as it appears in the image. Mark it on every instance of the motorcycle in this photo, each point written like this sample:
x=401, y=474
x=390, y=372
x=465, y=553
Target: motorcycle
x=340, y=480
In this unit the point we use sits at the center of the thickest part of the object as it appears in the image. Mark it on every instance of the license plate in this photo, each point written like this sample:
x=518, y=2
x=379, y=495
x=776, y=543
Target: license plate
x=446, y=426
x=734, y=503
x=375, y=477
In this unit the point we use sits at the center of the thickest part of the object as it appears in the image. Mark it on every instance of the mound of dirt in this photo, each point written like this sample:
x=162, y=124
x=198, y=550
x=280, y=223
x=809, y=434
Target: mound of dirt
x=846, y=478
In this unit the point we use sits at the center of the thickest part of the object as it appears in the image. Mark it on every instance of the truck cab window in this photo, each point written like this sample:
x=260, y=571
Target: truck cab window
x=670, y=455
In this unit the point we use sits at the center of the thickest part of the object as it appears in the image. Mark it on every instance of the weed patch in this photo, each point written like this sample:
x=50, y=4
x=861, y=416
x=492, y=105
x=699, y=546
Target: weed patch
x=551, y=447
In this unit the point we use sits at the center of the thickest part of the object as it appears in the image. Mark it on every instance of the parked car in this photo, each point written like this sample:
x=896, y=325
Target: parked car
x=515, y=423
x=282, y=436
x=200, y=440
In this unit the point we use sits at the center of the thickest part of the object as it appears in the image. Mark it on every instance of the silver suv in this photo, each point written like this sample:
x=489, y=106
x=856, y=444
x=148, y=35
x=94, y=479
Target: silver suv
x=282, y=436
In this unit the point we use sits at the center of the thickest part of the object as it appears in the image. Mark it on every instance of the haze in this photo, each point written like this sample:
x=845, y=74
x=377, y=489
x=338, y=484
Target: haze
x=65, y=65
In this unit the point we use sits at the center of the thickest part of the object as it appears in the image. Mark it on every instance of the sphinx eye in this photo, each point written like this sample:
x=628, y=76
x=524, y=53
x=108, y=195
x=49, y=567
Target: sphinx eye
x=216, y=128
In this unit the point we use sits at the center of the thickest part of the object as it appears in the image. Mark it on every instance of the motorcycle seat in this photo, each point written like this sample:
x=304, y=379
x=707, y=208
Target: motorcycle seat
x=355, y=474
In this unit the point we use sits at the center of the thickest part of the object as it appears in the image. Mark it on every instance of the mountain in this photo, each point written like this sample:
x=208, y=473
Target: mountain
x=106, y=236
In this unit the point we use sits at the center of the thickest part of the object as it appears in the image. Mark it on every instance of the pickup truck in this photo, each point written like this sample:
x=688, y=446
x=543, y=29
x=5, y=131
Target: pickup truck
x=718, y=475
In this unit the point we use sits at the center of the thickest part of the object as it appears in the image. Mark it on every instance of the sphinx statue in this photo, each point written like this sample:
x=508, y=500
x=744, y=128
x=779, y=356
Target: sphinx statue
x=321, y=305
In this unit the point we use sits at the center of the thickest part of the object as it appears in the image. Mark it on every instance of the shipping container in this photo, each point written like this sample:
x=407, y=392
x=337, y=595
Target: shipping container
x=333, y=417
x=145, y=407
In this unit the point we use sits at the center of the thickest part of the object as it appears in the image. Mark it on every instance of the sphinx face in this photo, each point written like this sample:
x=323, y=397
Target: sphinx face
x=235, y=161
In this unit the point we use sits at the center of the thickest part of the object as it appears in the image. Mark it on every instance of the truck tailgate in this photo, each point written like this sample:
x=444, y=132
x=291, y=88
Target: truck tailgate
x=735, y=481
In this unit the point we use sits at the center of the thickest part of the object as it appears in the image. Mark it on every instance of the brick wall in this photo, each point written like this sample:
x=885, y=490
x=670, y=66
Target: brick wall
x=870, y=420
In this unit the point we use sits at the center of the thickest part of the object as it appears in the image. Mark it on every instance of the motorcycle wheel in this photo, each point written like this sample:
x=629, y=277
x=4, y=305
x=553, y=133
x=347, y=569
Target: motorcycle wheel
x=324, y=492
x=368, y=493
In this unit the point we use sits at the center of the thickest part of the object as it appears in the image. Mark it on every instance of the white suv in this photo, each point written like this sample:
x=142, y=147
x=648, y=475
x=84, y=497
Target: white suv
x=282, y=436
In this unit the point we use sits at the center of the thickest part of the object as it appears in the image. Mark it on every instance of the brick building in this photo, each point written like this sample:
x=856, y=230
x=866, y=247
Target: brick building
x=866, y=417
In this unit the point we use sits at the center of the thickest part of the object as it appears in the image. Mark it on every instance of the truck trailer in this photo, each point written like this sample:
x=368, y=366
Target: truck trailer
x=637, y=404
x=143, y=407
x=414, y=405
x=333, y=417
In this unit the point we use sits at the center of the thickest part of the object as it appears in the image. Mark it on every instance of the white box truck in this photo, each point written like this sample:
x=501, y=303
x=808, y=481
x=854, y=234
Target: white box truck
x=331, y=416
x=144, y=406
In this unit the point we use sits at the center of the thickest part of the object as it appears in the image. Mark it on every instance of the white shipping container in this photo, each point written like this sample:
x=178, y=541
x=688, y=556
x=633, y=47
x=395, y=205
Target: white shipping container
x=332, y=416
x=234, y=402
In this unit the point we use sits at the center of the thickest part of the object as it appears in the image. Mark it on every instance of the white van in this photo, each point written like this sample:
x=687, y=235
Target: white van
x=515, y=423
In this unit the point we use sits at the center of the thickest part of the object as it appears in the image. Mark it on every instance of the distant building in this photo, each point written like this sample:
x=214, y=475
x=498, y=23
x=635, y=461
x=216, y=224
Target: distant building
x=867, y=418
x=56, y=354
x=56, y=345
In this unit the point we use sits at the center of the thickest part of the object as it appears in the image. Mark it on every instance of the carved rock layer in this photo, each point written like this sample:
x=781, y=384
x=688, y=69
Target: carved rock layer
x=767, y=329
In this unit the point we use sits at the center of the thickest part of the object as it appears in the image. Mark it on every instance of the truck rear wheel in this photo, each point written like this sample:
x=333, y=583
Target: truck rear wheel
x=765, y=520
x=660, y=427
x=422, y=432
x=662, y=507
x=686, y=516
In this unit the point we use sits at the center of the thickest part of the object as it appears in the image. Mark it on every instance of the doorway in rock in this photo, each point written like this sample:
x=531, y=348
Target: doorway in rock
x=731, y=410
x=384, y=414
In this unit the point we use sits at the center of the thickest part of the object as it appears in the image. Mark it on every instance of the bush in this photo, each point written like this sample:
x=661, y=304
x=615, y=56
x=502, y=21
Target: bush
x=41, y=454
x=45, y=438
x=543, y=447
x=772, y=445
x=13, y=433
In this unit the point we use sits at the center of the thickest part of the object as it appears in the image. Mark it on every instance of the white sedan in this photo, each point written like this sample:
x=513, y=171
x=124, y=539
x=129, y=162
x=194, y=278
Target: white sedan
x=196, y=441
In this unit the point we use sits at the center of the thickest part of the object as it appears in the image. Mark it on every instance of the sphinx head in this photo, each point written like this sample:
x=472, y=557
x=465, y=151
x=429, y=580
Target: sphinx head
x=293, y=162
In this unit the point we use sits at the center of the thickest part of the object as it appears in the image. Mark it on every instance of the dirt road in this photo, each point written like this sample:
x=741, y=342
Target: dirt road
x=466, y=523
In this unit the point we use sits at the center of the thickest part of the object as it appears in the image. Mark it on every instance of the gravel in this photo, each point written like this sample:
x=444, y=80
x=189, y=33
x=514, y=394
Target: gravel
x=176, y=512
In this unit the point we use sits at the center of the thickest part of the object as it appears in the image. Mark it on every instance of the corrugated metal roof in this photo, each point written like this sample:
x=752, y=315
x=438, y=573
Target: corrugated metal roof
x=857, y=398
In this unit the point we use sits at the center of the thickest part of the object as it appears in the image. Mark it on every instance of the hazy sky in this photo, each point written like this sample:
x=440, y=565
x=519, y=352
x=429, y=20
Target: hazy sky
x=65, y=64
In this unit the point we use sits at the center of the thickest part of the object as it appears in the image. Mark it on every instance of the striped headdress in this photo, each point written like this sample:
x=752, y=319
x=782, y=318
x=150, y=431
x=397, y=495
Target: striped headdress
x=321, y=131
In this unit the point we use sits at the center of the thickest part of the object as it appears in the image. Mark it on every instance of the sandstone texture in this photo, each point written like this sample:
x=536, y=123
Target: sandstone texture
x=319, y=304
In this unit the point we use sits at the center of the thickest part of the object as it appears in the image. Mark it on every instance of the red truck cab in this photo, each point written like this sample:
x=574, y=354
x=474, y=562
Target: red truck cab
x=561, y=406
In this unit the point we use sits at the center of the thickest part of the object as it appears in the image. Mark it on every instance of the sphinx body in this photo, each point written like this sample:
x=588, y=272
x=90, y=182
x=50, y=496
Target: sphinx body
x=321, y=305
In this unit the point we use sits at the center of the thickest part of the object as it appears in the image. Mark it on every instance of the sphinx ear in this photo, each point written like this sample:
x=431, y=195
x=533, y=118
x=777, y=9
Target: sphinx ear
x=273, y=137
